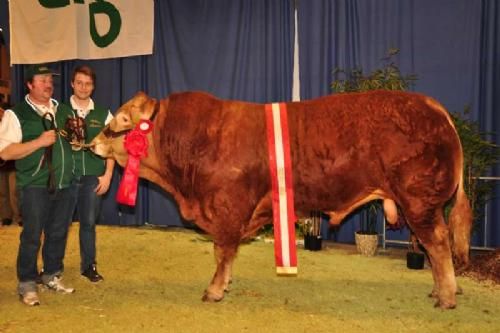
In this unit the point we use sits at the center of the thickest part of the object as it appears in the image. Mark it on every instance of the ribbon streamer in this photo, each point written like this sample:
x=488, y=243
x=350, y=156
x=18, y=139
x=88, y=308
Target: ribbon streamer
x=136, y=143
x=280, y=167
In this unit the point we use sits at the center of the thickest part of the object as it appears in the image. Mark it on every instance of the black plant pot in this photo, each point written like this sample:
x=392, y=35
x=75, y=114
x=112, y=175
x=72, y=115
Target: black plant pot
x=312, y=243
x=415, y=260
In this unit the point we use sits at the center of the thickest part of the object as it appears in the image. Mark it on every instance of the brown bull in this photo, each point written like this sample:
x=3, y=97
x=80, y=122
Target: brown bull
x=346, y=150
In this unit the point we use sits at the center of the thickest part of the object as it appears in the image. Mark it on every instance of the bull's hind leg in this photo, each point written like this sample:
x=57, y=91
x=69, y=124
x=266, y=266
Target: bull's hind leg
x=224, y=256
x=434, y=237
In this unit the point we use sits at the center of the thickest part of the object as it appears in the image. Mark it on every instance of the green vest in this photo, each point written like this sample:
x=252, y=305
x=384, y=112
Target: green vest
x=29, y=170
x=86, y=162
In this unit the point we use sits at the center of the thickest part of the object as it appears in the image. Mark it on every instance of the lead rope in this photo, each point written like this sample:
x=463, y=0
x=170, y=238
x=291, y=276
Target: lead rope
x=80, y=145
x=47, y=154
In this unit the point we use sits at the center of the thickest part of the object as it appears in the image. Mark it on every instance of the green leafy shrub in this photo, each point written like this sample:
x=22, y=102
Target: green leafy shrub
x=480, y=155
x=388, y=77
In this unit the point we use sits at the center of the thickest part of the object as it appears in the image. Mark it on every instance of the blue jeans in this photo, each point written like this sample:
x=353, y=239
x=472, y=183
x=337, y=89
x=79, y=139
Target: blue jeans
x=50, y=214
x=88, y=206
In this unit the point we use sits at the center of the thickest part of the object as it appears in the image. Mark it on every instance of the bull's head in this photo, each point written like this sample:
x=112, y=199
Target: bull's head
x=109, y=143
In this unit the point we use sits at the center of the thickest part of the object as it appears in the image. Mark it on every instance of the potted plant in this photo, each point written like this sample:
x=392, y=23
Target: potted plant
x=311, y=228
x=366, y=237
x=415, y=257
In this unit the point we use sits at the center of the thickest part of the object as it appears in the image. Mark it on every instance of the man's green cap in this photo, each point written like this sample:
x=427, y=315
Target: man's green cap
x=39, y=69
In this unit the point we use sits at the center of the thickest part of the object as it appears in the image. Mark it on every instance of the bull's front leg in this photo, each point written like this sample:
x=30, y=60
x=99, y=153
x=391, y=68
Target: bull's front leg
x=224, y=256
x=228, y=271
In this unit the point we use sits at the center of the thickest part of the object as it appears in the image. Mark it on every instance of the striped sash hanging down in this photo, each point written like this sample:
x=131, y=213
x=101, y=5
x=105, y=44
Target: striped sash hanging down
x=280, y=167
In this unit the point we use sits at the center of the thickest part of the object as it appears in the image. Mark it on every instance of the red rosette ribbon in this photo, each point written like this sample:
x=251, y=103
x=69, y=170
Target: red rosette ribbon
x=136, y=143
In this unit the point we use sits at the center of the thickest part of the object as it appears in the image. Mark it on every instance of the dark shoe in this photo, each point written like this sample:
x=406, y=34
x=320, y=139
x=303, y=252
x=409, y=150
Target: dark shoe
x=38, y=278
x=7, y=221
x=91, y=274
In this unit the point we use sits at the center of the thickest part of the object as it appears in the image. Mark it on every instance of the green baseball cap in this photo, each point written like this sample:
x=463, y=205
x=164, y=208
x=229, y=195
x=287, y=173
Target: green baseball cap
x=38, y=69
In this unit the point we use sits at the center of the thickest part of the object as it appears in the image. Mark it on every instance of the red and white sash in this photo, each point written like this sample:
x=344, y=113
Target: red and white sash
x=280, y=166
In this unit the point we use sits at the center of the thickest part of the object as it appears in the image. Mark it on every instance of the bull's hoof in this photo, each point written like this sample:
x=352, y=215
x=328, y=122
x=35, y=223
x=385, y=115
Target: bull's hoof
x=210, y=297
x=434, y=294
x=445, y=305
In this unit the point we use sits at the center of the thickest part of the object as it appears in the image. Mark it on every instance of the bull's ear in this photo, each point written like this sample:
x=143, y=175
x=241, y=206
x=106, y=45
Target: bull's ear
x=148, y=108
x=140, y=107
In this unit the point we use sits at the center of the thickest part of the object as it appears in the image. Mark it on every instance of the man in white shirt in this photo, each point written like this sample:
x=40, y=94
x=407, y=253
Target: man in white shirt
x=92, y=173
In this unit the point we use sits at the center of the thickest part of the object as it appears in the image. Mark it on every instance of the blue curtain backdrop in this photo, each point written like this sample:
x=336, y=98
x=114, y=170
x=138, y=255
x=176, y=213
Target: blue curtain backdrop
x=244, y=49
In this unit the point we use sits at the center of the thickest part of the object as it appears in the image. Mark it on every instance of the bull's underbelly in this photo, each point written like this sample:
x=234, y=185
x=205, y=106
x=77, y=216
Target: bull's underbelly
x=416, y=181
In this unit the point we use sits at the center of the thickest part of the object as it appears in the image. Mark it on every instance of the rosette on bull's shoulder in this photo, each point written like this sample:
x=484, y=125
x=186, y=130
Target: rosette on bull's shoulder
x=136, y=144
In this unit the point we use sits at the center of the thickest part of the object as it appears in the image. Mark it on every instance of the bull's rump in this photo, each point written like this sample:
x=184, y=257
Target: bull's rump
x=343, y=147
x=346, y=147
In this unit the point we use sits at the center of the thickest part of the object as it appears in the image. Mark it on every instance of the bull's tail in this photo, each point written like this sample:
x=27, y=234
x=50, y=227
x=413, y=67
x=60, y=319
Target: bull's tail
x=460, y=223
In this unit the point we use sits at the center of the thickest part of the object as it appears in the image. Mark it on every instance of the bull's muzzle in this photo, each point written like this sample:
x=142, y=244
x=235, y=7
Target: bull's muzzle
x=101, y=145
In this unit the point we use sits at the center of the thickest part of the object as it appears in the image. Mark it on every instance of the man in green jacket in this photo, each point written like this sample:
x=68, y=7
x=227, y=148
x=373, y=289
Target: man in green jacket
x=44, y=171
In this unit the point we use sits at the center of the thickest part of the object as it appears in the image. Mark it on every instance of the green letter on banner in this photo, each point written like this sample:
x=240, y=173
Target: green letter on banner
x=54, y=3
x=104, y=7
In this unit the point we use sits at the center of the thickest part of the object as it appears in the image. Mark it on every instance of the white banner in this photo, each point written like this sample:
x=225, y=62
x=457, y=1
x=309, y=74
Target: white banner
x=52, y=30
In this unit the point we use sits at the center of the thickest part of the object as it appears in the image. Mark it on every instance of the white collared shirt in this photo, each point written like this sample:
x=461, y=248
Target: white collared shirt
x=83, y=112
x=10, y=127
